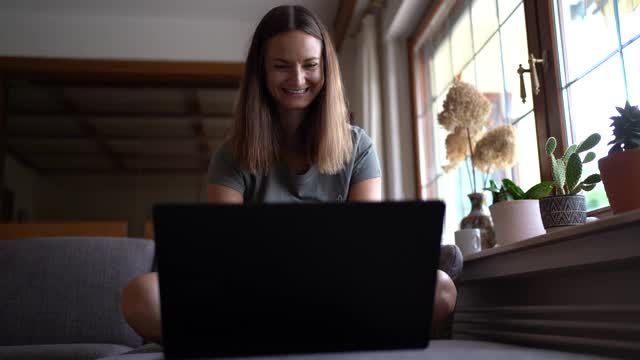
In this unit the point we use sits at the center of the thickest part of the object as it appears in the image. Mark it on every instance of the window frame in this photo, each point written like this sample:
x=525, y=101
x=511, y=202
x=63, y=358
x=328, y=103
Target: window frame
x=547, y=105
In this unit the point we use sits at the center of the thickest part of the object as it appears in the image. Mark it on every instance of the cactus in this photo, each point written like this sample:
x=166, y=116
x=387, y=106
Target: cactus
x=626, y=129
x=567, y=170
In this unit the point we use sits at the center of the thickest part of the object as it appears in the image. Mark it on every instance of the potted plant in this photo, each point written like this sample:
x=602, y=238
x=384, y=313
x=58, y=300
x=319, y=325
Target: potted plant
x=472, y=139
x=567, y=206
x=620, y=169
x=516, y=213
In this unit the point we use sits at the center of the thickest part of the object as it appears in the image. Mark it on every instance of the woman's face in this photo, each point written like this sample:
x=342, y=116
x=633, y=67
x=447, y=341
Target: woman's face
x=294, y=69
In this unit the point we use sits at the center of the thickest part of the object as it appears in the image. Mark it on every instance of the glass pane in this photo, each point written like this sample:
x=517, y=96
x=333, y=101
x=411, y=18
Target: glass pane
x=590, y=111
x=489, y=75
x=484, y=17
x=514, y=46
x=629, y=12
x=632, y=62
x=461, y=42
x=527, y=170
x=589, y=34
x=505, y=7
x=439, y=135
x=441, y=67
x=469, y=74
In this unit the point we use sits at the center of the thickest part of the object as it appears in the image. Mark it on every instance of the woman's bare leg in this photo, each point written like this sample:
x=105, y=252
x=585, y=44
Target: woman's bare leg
x=444, y=302
x=141, y=306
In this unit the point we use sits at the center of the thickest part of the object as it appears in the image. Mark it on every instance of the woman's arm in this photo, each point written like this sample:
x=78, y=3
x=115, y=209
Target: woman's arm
x=223, y=195
x=366, y=190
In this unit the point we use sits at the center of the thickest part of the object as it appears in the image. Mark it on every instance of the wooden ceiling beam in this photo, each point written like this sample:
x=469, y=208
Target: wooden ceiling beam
x=87, y=127
x=89, y=172
x=121, y=137
x=114, y=71
x=118, y=114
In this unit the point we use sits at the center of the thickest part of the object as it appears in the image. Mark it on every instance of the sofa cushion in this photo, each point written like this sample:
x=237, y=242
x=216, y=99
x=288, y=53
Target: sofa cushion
x=438, y=349
x=61, y=351
x=67, y=290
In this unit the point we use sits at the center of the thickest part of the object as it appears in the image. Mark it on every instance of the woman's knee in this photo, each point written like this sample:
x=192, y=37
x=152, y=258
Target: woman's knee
x=444, y=300
x=141, y=305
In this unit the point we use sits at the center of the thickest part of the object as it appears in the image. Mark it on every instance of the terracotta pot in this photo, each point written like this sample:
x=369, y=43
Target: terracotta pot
x=620, y=173
x=516, y=220
x=563, y=210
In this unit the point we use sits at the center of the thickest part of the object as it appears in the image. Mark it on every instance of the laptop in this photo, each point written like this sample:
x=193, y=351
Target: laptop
x=248, y=280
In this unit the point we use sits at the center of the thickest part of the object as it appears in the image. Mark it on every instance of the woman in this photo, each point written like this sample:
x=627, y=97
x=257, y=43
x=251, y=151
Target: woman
x=291, y=142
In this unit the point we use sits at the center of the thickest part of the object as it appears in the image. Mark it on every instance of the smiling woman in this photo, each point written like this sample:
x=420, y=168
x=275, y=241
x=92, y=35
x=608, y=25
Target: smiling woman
x=291, y=142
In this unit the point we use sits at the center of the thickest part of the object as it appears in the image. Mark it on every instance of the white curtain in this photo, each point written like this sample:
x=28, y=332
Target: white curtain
x=368, y=99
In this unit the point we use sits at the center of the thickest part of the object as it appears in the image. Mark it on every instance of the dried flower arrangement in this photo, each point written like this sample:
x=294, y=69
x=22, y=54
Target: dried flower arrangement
x=465, y=117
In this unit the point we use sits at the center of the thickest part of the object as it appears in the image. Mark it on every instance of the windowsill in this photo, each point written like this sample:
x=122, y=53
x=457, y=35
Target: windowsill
x=612, y=238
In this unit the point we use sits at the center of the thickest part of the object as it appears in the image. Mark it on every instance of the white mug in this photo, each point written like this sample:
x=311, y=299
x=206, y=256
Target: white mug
x=468, y=240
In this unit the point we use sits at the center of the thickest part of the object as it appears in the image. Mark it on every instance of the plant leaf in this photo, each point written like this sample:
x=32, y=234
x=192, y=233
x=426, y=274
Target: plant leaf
x=574, y=171
x=576, y=189
x=539, y=191
x=558, y=169
x=616, y=148
x=588, y=187
x=589, y=142
x=551, y=145
x=513, y=189
x=592, y=179
x=570, y=151
x=589, y=157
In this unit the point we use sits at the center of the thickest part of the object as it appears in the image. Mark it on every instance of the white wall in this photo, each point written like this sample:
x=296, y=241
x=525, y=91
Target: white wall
x=32, y=34
x=113, y=197
x=22, y=181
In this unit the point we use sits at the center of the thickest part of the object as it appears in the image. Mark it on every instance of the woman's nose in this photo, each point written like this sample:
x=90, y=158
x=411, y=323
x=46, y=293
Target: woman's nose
x=298, y=75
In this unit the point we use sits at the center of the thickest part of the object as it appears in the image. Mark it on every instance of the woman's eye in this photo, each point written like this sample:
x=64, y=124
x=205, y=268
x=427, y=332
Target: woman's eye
x=312, y=65
x=281, y=66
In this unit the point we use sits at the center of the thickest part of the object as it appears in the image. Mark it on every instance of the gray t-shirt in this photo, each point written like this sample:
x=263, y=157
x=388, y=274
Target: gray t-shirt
x=280, y=186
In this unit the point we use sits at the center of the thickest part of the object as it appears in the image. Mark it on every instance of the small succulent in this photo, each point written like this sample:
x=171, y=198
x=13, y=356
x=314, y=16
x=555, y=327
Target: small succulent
x=510, y=191
x=626, y=129
x=568, y=169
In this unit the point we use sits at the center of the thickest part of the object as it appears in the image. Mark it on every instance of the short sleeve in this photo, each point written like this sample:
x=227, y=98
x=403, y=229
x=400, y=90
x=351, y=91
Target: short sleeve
x=223, y=170
x=366, y=164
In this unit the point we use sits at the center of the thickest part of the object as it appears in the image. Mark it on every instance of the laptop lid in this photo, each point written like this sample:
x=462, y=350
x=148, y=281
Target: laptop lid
x=242, y=280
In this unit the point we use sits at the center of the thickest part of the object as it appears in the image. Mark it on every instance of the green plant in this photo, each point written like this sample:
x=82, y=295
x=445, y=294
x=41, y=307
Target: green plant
x=626, y=129
x=510, y=191
x=567, y=170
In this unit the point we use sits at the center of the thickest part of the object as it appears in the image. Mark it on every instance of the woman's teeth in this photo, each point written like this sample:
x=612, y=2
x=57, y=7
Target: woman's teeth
x=295, y=91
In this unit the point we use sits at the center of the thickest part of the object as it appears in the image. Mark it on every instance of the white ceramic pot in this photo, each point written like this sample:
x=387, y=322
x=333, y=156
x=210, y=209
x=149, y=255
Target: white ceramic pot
x=516, y=220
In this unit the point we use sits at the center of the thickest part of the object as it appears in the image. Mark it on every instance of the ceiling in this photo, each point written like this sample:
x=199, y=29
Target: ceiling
x=57, y=128
x=237, y=10
x=66, y=126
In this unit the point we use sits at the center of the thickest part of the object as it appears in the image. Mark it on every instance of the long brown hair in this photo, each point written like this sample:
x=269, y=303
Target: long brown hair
x=255, y=137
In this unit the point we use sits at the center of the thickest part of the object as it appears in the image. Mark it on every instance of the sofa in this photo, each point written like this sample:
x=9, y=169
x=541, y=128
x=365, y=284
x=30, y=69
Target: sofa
x=60, y=299
x=60, y=296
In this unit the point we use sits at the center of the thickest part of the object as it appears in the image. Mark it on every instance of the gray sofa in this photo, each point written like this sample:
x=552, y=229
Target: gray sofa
x=60, y=297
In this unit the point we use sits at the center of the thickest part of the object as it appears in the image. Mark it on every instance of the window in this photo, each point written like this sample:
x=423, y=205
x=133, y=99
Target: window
x=600, y=55
x=483, y=43
x=592, y=64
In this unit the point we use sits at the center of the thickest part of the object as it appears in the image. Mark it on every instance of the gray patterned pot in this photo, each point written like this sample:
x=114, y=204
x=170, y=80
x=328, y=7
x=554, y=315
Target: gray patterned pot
x=563, y=210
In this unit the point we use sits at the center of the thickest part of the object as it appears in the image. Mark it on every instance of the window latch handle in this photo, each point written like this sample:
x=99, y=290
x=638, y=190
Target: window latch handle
x=535, y=80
